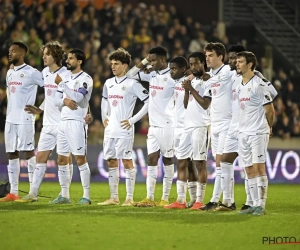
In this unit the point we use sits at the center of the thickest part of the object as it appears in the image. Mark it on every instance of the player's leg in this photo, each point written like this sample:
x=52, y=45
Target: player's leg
x=152, y=170
x=13, y=167
x=63, y=151
x=218, y=140
x=78, y=147
x=246, y=155
x=165, y=137
x=259, y=150
x=192, y=183
x=200, y=140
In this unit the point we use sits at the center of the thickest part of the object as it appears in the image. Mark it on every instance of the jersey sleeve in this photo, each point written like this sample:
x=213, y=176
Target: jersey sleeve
x=104, y=93
x=207, y=89
x=138, y=74
x=140, y=91
x=262, y=90
x=37, y=78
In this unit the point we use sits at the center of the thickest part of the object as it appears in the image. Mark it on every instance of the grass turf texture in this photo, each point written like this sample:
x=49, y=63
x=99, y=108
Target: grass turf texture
x=39, y=225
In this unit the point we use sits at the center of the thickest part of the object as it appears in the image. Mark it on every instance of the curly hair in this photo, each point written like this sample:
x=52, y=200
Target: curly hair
x=120, y=55
x=55, y=50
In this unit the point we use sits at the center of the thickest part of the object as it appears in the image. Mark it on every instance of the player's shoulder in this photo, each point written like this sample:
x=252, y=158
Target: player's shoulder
x=45, y=70
x=86, y=77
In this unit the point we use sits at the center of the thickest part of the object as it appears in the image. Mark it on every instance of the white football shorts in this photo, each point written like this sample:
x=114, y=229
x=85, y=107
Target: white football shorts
x=117, y=148
x=71, y=137
x=231, y=142
x=177, y=134
x=19, y=137
x=253, y=148
x=161, y=139
x=48, y=138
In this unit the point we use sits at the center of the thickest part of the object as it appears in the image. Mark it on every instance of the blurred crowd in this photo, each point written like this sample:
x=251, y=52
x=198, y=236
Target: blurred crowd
x=136, y=29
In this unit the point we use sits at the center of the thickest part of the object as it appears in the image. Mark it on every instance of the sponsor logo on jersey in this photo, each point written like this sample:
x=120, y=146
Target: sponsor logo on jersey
x=15, y=83
x=156, y=87
x=116, y=96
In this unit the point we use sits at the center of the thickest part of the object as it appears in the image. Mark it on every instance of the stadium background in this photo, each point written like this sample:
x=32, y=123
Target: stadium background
x=269, y=28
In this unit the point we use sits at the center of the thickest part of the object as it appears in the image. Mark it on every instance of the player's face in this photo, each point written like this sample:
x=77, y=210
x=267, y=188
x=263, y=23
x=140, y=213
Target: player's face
x=156, y=61
x=212, y=59
x=196, y=66
x=14, y=54
x=232, y=60
x=176, y=72
x=118, y=69
x=47, y=58
x=72, y=62
x=241, y=65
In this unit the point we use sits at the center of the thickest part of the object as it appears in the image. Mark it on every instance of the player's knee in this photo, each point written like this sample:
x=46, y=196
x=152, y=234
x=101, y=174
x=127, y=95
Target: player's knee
x=80, y=160
x=13, y=155
x=42, y=157
x=62, y=160
x=229, y=157
x=201, y=166
x=152, y=159
x=112, y=163
x=28, y=154
x=168, y=161
x=127, y=163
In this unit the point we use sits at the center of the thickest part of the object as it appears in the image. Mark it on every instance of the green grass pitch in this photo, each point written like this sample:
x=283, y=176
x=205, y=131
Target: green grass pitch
x=39, y=226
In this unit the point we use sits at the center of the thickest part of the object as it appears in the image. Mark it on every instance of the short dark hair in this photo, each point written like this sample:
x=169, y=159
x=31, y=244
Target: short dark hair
x=79, y=54
x=219, y=48
x=160, y=51
x=201, y=58
x=55, y=50
x=120, y=55
x=180, y=61
x=237, y=48
x=21, y=45
x=249, y=57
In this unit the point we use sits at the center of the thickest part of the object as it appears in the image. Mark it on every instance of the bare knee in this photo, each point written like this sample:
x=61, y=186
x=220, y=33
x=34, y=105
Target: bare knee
x=127, y=163
x=13, y=155
x=152, y=159
x=168, y=161
x=62, y=160
x=80, y=160
x=28, y=154
x=112, y=163
x=42, y=156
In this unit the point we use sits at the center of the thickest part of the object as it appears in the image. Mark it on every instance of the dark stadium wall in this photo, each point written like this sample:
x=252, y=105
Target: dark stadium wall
x=203, y=11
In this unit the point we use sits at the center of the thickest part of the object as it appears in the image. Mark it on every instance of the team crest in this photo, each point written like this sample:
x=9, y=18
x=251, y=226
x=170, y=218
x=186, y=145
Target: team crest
x=123, y=88
x=76, y=84
x=249, y=89
x=22, y=75
x=165, y=79
x=219, y=77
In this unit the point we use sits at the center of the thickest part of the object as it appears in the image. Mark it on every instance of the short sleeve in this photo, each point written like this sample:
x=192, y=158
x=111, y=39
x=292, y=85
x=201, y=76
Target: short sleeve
x=140, y=91
x=207, y=89
x=86, y=85
x=104, y=93
x=37, y=78
x=264, y=94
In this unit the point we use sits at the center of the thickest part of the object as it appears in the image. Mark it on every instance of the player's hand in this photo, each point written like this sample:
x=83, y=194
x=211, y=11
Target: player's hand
x=58, y=79
x=88, y=119
x=105, y=123
x=148, y=57
x=125, y=124
x=33, y=110
x=186, y=84
x=70, y=104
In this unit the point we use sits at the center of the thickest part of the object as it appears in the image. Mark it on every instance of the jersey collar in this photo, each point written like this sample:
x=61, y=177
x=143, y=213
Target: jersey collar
x=74, y=76
x=216, y=71
x=16, y=68
x=163, y=71
x=119, y=80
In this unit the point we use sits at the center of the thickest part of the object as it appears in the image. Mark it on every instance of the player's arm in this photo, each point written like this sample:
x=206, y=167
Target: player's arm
x=267, y=102
x=272, y=89
x=186, y=98
x=105, y=106
x=137, y=72
x=37, y=78
x=140, y=92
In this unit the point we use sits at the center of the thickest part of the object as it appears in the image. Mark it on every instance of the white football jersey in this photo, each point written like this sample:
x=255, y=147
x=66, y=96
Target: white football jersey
x=221, y=89
x=121, y=94
x=77, y=87
x=179, y=107
x=51, y=111
x=252, y=97
x=21, y=83
x=236, y=81
x=195, y=115
x=161, y=97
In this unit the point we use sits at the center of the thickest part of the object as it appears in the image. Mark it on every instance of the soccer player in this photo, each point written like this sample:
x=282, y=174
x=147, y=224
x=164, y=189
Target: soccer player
x=256, y=118
x=119, y=97
x=161, y=120
x=21, y=82
x=52, y=56
x=194, y=139
x=220, y=110
x=71, y=136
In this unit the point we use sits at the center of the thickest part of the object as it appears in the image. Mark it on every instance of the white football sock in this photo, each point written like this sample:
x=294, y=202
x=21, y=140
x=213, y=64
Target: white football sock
x=85, y=176
x=71, y=172
x=201, y=187
x=252, y=182
x=217, y=187
x=38, y=176
x=31, y=166
x=113, y=180
x=232, y=184
x=226, y=182
x=152, y=173
x=167, y=182
x=130, y=182
x=192, y=187
x=13, y=169
x=249, y=201
x=181, y=191
x=262, y=186
x=64, y=180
